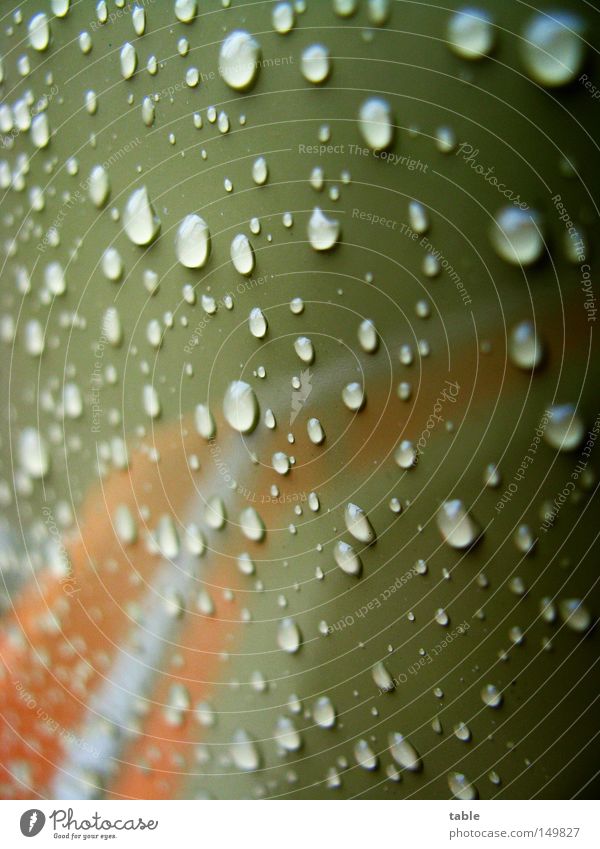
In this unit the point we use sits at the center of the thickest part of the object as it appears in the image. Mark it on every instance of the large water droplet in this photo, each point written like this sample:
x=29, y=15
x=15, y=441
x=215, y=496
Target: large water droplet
x=304, y=348
x=347, y=559
x=239, y=60
x=315, y=63
x=516, y=236
x=461, y=787
x=139, y=219
x=456, y=525
x=553, y=48
x=382, y=677
x=128, y=59
x=192, y=242
x=34, y=454
x=375, y=123
x=367, y=336
x=324, y=712
x=39, y=31
x=470, y=33
x=244, y=752
x=316, y=434
x=205, y=423
x=242, y=255
x=365, y=756
x=524, y=347
x=252, y=525
x=353, y=396
x=289, y=637
x=257, y=323
x=565, y=429
x=323, y=232
x=240, y=406
x=404, y=753
x=358, y=523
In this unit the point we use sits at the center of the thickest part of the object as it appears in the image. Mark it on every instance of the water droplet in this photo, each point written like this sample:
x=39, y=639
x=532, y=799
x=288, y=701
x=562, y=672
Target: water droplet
x=375, y=123
x=260, y=171
x=315, y=63
x=316, y=434
x=365, y=756
x=125, y=525
x=252, y=526
x=215, y=515
x=40, y=130
x=167, y=537
x=128, y=59
x=358, y=523
x=404, y=753
x=382, y=677
x=192, y=242
x=39, y=31
x=283, y=17
x=242, y=255
x=491, y=696
x=185, y=10
x=239, y=60
x=139, y=219
x=205, y=423
x=461, y=787
x=99, y=186
x=418, y=217
x=353, y=396
x=379, y=12
x=441, y=617
x=244, y=752
x=470, y=33
x=289, y=637
x=565, y=429
x=304, y=348
x=553, y=48
x=525, y=348
x=323, y=232
x=405, y=454
x=112, y=264
x=112, y=327
x=287, y=735
x=34, y=454
x=575, y=614
x=456, y=525
x=257, y=323
x=347, y=559
x=517, y=237
x=367, y=336
x=324, y=712
x=240, y=406
x=281, y=462
x=151, y=401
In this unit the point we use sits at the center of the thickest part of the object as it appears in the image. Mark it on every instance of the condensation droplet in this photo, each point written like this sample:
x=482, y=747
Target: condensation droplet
x=456, y=525
x=470, y=33
x=242, y=255
x=553, y=48
x=375, y=123
x=358, y=524
x=404, y=753
x=323, y=232
x=347, y=559
x=139, y=219
x=517, y=237
x=289, y=637
x=239, y=60
x=240, y=406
